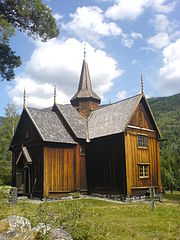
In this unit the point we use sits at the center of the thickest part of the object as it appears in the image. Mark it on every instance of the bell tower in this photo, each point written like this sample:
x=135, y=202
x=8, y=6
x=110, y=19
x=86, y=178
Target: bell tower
x=85, y=100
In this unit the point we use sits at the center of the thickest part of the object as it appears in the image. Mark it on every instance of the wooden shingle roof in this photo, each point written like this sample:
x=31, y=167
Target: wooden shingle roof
x=112, y=119
x=49, y=126
x=70, y=125
x=74, y=120
x=85, y=88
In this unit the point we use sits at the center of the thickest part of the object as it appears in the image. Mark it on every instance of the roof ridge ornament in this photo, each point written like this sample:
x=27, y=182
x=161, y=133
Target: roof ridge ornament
x=142, y=84
x=85, y=51
x=24, y=102
x=55, y=94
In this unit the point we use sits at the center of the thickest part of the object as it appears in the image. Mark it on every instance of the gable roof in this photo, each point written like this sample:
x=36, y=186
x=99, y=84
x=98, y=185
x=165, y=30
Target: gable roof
x=49, y=126
x=74, y=119
x=106, y=120
x=85, y=87
x=152, y=115
x=26, y=154
x=113, y=118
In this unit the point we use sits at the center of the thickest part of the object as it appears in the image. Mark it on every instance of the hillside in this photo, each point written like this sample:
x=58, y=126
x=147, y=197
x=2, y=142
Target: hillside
x=167, y=113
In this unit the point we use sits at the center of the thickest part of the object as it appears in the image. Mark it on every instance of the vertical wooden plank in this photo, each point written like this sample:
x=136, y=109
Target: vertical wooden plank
x=128, y=164
x=158, y=167
x=65, y=170
x=152, y=163
x=61, y=180
x=46, y=178
x=77, y=167
x=83, y=173
x=70, y=170
x=57, y=168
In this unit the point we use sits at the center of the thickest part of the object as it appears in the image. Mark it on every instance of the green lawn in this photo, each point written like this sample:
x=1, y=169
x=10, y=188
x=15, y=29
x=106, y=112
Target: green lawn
x=98, y=219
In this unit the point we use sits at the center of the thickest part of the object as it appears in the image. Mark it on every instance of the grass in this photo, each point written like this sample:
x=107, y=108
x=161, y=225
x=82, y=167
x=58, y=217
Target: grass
x=98, y=219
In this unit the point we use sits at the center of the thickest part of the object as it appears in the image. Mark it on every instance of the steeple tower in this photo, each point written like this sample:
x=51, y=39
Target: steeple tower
x=85, y=100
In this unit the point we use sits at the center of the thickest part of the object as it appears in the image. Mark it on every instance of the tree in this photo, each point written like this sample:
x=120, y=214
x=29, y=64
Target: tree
x=7, y=127
x=30, y=16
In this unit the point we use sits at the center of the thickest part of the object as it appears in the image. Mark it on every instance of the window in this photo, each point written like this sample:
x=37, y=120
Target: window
x=143, y=170
x=142, y=141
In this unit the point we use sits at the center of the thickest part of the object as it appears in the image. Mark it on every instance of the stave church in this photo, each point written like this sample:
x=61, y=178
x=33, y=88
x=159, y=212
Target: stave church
x=87, y=147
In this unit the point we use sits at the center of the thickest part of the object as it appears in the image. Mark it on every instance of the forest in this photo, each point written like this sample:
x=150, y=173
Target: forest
x=167, y=114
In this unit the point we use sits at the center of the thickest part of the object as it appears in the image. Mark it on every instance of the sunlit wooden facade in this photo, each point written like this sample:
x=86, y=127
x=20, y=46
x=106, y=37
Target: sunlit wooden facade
x=86, y=147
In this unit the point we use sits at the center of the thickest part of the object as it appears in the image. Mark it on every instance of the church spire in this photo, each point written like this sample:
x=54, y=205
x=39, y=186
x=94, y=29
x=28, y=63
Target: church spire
x=85, y=96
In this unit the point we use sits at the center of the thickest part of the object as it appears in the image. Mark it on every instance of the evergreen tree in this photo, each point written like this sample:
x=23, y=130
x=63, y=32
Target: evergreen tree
x=30, y=16
x=7, y=129
x=167, y=114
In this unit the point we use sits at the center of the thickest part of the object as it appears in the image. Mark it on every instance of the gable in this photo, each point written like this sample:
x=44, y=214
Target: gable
x=49, y=126
x=25, y=130
x=40, y=125
x=143, y=116
x=112, y=119
x=140, y=118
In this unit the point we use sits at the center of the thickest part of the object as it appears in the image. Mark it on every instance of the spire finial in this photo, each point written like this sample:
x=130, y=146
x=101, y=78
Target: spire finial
x=54, y=94
x=142, y=84
x=24, y=97
x=85, y=50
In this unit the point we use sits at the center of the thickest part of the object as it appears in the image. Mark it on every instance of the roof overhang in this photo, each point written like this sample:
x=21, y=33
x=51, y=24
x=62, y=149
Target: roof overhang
x=26, y=155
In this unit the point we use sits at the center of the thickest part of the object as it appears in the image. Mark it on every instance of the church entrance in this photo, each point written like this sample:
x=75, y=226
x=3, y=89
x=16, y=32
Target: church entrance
x=23, y=173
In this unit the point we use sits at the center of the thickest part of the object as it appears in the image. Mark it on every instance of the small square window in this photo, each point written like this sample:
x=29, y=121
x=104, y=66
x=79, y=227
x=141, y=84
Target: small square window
x=142, y=141
x=139, y=140
x=143, y=170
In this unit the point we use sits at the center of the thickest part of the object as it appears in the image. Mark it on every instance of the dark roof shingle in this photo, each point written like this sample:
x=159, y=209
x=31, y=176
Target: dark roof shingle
x=111, y=119
x=107, y=120
x=74, y=119
x=49, y=126
x=85, y=87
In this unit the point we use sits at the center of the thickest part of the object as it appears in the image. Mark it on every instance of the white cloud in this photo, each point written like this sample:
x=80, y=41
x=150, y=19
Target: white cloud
x=160, y=23
x=122, y=95
x=136, y=35
x=89, y=24
x=160, y=6
x=169, y=75
x=129, y=9
x=160, y=40
x=166, y=31
x=126, y=9
x=59, y=63
x=57, y=16
x=128, y=39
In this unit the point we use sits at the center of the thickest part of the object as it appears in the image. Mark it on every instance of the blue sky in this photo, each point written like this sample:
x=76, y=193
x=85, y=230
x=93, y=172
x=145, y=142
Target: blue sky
x=124, y=38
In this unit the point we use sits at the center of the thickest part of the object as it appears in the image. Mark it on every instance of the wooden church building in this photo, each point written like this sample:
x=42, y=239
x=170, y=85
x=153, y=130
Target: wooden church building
x=87, y=147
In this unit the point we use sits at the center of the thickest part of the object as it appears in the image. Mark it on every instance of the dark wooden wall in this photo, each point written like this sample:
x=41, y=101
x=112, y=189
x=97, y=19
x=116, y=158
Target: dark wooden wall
x=106, y=165
x=33, y=144
x=141, y=123
x=64, y=170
